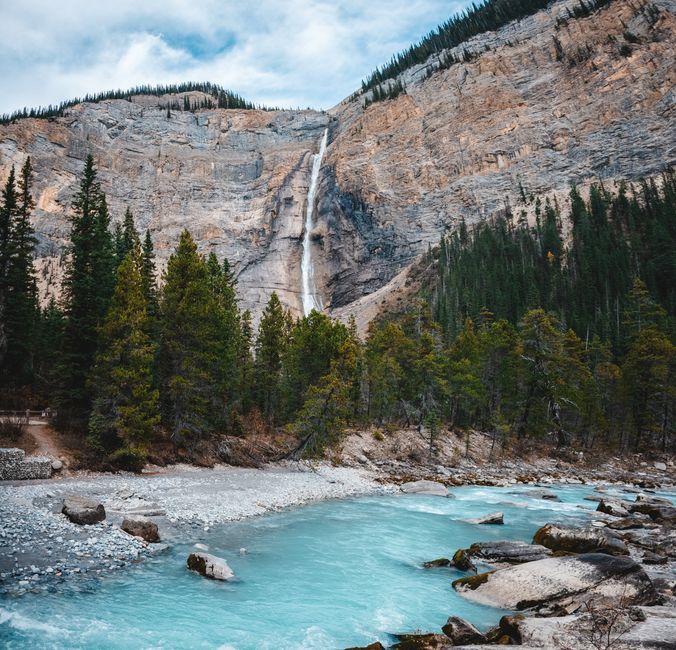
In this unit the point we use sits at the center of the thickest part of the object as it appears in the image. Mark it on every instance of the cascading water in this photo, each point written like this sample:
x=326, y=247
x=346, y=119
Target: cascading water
x=310, y=298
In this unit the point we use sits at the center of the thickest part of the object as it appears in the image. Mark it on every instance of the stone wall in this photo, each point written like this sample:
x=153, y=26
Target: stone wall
x=14, y=466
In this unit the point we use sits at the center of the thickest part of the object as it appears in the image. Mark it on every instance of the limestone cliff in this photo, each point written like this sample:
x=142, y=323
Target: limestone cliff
x=543, y=102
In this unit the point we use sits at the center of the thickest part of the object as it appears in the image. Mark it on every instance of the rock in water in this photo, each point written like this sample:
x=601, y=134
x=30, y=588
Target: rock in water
x=508, y=551
x=425, y=487
x=492, y=518
x=580, y=540
x=433, y=564
x=83, y=511
x=141, y=527
x=548, y=582
x=610, y=507
x=210, y=566
x=462, y=561
x=461, y=632
x=373, y=646
x=422, y=642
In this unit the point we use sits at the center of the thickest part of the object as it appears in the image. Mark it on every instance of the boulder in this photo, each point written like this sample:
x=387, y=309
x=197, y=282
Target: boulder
x=425, y=487
x=83, y=511
x=508, y=551
x=433, y=564
x=57, y=465
x=422, y=642
x=580, y=540
x=492, y=518
x=462, y=561
x=141, y=527
x=656, y=509
x=628, y=523
x=210, y=566
x=373, y=646
x=611, y=507
x=662, y=467
x=549, y=582
x=461, y=632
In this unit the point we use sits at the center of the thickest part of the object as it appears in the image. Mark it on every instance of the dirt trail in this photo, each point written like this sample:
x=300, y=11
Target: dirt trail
x=44, y=437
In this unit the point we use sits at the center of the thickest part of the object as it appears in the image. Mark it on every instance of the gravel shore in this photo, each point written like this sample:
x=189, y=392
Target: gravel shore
x=39, y=544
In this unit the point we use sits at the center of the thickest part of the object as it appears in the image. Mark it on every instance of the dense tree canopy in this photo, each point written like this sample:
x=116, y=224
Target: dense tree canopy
x=557, y=327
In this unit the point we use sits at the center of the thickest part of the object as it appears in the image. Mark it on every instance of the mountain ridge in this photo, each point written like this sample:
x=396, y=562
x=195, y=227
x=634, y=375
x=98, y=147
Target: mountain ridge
x=397, y=175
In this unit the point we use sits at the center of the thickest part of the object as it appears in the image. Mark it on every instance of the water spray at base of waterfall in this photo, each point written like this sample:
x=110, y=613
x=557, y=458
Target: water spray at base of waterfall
x=309, y=291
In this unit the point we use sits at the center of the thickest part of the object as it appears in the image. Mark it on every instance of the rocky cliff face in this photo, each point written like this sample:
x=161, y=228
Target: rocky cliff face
x=543, y=102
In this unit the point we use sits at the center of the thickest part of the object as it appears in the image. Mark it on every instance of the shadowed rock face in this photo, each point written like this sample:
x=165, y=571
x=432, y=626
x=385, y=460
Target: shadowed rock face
x=396, y=175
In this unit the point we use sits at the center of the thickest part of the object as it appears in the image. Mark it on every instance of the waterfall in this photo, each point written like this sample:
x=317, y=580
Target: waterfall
x=310, y=298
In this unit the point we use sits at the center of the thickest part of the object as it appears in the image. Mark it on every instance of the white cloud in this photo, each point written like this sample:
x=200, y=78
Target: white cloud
x=281, y=52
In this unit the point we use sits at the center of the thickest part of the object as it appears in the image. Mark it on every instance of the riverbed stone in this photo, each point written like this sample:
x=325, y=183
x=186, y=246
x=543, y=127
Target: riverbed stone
x=210, y=566
x=463, y=561
x=462, y=632
x=83, y=510
x=432, y=488
x=511, y=552
x=657, y=508
x=142, y=527
x=580, y=540
x=422, y=642
x=548, y=582
x=492, y=518
x=613, y=507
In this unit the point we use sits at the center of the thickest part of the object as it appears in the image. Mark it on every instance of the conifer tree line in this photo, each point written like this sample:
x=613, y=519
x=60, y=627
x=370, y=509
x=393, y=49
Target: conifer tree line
x=585, y=278
x=219, y=98
x=131, y=367
x=479, y=18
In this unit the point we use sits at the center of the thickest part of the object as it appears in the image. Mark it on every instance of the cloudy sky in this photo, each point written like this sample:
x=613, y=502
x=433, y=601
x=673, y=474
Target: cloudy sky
x=277, y=52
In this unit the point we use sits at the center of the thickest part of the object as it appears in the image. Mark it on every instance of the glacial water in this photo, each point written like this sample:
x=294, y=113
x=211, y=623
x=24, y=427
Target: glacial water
x=310, y=298
x=328, y=575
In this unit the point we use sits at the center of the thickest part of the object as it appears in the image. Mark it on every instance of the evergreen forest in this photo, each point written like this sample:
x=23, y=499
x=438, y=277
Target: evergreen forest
x=558, y=328
x=218, y=98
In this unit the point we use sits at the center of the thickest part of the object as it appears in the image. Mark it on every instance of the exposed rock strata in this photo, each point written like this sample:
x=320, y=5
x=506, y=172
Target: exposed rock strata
x=396, y=175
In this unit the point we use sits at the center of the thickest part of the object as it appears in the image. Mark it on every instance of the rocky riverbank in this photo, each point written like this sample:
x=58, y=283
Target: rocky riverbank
x=39, y=546
x=632, y=530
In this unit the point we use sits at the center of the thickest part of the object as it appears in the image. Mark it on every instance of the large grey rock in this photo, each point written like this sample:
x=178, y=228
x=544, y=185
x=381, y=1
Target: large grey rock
x=140, y=526
x=510, y=552
x=462, y=632
x=210, y=566
x=492, y=518
x=613, y=507
x=83, y=511
x=425, y=487
x=422, y=642
x=548, y=582
x=580, y=540
x=660, y=510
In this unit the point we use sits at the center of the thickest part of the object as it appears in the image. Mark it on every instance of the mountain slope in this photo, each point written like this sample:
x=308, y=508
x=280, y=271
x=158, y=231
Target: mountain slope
x=539, y=103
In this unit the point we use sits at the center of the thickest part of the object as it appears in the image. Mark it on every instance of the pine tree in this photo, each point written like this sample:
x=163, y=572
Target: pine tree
x=87, y=289
x=21, y=308
x=8, y=212
x=190, y=346
x=327, y=406
x=271, y=343
x=650, y=388
x=125, y=410
x=149, y=277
